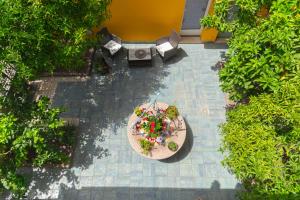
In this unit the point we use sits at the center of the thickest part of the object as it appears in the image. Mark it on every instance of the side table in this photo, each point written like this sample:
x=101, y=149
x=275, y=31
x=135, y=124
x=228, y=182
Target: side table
x=139, y=57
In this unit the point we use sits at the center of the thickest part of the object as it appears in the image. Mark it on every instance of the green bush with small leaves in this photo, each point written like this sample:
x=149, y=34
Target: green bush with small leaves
x=261, y=143
x=264, y=51
x=35, y=136
x=261, y=138
x=39, y=36
x=35, y=37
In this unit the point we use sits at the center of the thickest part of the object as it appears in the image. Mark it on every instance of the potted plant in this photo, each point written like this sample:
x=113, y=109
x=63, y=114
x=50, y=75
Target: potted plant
x=146, y=145
x=172, y=146
x=172, y=112
x=138, y=111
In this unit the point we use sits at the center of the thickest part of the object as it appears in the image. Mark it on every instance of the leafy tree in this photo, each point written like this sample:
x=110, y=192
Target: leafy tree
x=261, y=142
x=41, y=35
x=38, y=36
x=261, y=139
x=264, y=50
x=30, y=133
x=36, y=135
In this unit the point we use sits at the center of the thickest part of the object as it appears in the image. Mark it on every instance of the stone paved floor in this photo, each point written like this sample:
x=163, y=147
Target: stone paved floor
x=105, y=167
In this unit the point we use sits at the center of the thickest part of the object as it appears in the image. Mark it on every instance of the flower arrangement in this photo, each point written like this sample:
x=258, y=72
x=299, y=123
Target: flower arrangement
x=154, y=126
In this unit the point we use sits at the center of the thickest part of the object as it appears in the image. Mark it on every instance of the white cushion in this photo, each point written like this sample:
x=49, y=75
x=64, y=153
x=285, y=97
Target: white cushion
x=162, y=48
x=113, y=47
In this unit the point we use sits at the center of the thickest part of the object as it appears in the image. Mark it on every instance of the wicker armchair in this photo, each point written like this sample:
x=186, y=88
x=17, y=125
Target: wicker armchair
x=105, y=36
x=108, y=41
x=171, y=46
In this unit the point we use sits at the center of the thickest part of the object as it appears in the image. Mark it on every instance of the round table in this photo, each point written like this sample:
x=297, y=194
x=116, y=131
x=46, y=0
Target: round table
x=158, y=152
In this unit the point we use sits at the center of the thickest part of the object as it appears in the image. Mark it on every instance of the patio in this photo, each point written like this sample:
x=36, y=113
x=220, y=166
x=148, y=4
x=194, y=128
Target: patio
x=104, y=164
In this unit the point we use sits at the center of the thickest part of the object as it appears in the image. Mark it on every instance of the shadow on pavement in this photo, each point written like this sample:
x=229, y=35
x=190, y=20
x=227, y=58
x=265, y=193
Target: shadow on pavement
x=135, y=193
x=179, y=56
x=215, y=45
x=104, y=103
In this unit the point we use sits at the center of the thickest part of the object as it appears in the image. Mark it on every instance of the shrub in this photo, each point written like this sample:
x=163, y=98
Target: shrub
x=35, y=136
x=43, y=35
x=39, y=36
x=261, y=143
x=263, y=51
x=261, y=139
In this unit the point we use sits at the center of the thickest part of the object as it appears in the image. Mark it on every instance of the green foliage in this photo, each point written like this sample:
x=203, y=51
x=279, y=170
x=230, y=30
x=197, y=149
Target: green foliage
x=35, y=136
x=172, y=112
x=38, y=36
x=158, y=125
x=263, y=51
x=172, y=146
x=43, y=35
x=146, y=146
x=261, y=139
x=14, y=182
x=261, y=143
x=138, y=111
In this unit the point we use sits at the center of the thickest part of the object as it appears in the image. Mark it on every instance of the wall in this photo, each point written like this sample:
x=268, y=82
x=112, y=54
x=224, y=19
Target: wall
x=145, y=20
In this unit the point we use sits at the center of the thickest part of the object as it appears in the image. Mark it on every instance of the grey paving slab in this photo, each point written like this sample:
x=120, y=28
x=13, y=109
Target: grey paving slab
x=106, y=167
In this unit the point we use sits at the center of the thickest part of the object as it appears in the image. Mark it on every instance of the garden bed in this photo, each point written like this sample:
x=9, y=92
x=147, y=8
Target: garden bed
x=68, y=147
x=82, y=71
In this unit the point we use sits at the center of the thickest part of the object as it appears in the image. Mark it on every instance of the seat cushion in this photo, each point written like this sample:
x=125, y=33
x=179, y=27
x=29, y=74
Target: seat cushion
x=113, y=46
x=163, y=48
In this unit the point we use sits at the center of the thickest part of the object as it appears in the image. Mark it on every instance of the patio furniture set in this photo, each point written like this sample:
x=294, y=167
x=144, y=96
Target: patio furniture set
x=111, y=46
